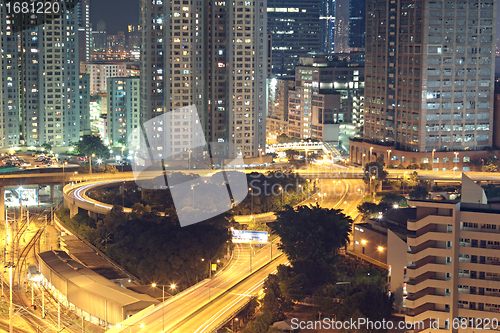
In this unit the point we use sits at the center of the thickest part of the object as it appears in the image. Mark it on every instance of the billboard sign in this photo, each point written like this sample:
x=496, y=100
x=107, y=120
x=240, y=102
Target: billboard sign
x=17, y=196
x=247, y=236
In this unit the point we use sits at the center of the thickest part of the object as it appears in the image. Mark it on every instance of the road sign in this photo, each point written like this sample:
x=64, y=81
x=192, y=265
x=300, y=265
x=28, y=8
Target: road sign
x=247, y=236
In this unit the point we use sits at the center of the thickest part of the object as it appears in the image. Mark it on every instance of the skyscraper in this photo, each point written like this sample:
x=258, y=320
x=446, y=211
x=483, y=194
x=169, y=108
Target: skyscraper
x=99, y=34
x=327, y=25
x=84, y=32
x=429, y=74
x=341, y=39
x=357, y=25
x=295, y=31
x=40, y=77
x=123, y=108
x=213, y=56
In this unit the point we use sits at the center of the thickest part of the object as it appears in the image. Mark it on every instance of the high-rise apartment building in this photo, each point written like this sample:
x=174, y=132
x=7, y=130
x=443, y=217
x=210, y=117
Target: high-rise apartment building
x=213, y=56
x=357, y=25
x=322, y=77
x=40, y=80
x=453, y=271
x=99, y=35
x=84, y=31
x=429, y=74
x=327, y=25
x=10, y=99
x=116, y=43
x=295, y=31
x=134, y=38
x=84, y=91
x=123, y=108
x=100, y=71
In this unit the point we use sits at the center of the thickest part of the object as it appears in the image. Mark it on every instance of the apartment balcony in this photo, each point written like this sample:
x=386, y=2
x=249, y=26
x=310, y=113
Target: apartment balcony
x=428, y=252
x=429, y=236
x=482, y=230
x=414, y=224
x=414, y=271
x=413, y=287
x=426, y=312
x=432, y=298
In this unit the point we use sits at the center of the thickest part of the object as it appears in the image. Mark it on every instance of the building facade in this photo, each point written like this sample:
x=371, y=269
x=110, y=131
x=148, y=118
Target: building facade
x=357, y=25
x=213, y=56
x=99, y=72
x=453, y=258
x=323, y=78
x=295, y=31
x=46, y=77
x=84, y=90
x=429, y=74
x=123, y=108
x=84, y=31
x=99, y=36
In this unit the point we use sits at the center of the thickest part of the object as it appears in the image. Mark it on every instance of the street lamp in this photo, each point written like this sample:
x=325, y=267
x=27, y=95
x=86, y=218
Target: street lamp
x=234, y=319
x=433, y=151
x=192, y=189
x=172, y=286
x=371, y=150
x=251, y=194
x=65, y=163
x=123, y=148
x=281, y=189
x=456, y=165
x=90, y=163
x=389, y=157
x=189, y=151
x=130, y=326
x=372, y=177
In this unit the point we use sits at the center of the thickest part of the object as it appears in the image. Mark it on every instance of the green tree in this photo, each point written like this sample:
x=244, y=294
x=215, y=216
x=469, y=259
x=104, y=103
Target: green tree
x=359, y=300
x=257, y=227
x=490, y=168
x=367, y=209
x=425, y=166
x=283, y=138
x=413, y=166
x=90, y=144
x=394, y=199
x=310, y=237
x=291, y=154
x=47, y=147
x=413, y=179
x=419, y=193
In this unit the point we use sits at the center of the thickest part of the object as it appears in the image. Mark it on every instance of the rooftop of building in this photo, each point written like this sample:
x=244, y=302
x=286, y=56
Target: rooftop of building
x=354, y=59
x=86, y=279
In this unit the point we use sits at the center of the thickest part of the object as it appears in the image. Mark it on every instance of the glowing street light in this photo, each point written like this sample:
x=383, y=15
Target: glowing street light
x=90, y=163
x=172, y=286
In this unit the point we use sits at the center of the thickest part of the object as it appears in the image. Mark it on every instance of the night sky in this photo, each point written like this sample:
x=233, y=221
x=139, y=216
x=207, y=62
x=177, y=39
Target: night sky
x=116, y=13
x=119, y=13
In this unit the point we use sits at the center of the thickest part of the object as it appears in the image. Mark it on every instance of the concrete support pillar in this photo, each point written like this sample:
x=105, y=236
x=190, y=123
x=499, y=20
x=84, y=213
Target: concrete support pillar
x=2, y=205
x=73, y=210
x=51, y=193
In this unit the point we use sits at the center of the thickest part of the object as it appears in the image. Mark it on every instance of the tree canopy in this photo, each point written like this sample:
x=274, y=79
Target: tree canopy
x=310, y=237
x=90, y=144
x=419, y=193
x=155, y=248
